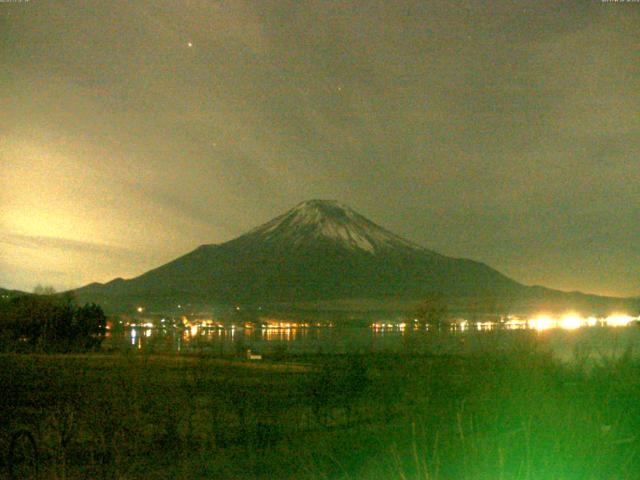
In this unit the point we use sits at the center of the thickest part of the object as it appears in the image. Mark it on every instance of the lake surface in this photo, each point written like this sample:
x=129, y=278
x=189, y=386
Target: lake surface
x=576, y=342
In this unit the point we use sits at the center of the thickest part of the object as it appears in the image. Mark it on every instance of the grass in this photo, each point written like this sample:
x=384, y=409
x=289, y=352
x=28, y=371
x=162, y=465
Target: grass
x=496, y=415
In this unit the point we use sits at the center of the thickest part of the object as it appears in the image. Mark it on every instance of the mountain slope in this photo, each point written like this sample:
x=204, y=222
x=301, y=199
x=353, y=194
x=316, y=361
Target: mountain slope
x=6, y=294
x=313, y=220
x=319, y=250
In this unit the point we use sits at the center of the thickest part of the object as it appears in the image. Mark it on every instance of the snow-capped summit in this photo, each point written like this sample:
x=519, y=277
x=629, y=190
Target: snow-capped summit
x=328, y=219
x=318, y=250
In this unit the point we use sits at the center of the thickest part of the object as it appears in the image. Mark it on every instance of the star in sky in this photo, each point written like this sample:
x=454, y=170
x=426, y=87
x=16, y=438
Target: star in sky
x=514, y=98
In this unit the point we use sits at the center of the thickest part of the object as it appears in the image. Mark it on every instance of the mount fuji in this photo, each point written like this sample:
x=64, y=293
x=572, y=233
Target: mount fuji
x=319, y=250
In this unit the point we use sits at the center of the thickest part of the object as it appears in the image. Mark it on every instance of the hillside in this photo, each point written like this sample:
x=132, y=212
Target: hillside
x=318, y=252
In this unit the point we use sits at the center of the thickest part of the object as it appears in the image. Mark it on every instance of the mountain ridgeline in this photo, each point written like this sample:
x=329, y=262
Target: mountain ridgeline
x=318, y=251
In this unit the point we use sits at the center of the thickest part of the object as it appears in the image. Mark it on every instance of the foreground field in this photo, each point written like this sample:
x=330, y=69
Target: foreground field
x=513, y=415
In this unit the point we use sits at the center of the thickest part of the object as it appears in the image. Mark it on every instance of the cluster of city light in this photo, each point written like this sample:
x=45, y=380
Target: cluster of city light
x=573, y=321
x=485, y=325
x=274, y=328
x=275, y=325
x=139, y=325
x=382, y=325
x=620, y=320
x=539, y=322
x=272, y=324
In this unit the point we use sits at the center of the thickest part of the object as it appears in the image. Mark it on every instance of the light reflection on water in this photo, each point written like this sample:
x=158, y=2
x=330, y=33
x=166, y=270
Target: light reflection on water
x=563, y=336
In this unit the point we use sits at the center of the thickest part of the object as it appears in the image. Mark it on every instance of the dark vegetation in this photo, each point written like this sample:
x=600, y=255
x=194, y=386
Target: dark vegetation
x=510, y=415
x=50, y=323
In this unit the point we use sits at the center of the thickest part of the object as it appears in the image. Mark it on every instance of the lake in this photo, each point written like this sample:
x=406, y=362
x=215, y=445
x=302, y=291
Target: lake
x=565, y=338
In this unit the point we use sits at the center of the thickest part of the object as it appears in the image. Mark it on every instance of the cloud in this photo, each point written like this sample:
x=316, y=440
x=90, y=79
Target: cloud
x=502, y=131
x=65, y=245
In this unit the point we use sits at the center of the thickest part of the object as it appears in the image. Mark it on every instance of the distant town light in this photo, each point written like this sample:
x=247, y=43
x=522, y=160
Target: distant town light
x=140, y=309
x=542, y=322
x=571, y=321
x=618, y=320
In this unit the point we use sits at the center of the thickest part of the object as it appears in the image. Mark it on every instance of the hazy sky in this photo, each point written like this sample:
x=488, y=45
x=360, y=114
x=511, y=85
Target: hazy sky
x=133, y=131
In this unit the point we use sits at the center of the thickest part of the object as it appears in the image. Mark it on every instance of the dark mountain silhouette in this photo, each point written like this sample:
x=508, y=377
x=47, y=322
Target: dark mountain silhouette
x=318, y=251
x=6, y=294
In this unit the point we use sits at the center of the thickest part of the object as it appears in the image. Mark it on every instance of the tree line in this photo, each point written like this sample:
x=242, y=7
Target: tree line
x=46, y=322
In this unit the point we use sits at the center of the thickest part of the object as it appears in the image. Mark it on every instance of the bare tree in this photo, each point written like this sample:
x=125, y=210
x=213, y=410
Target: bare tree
x=44, y=290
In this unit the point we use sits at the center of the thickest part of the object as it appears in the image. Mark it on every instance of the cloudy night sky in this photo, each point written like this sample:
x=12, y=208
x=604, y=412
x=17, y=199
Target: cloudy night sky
x=506, y=132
